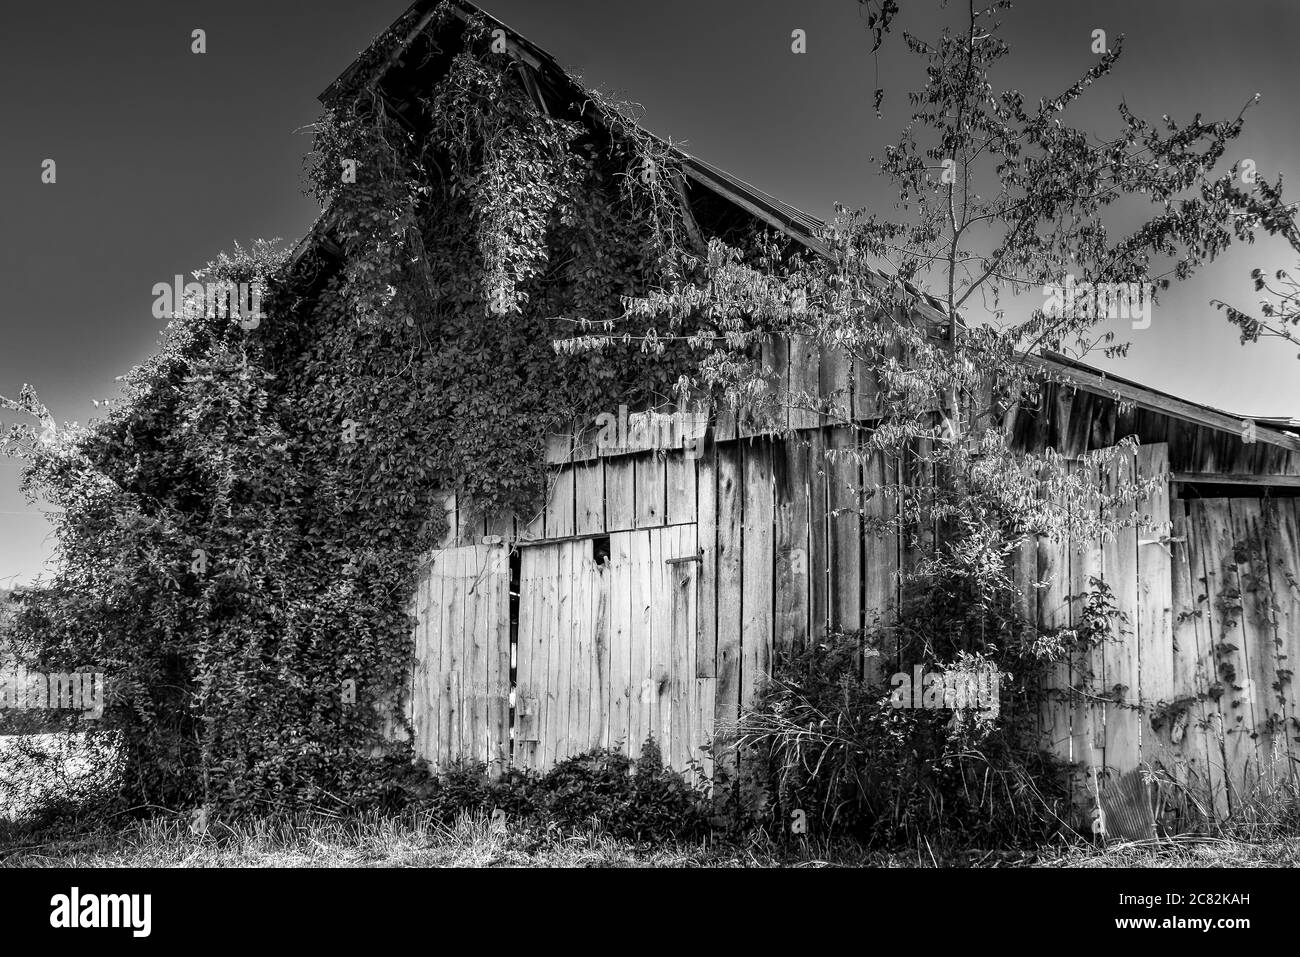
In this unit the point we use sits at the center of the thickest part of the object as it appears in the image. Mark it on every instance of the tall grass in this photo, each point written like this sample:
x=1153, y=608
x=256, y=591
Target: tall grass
x=418, y=839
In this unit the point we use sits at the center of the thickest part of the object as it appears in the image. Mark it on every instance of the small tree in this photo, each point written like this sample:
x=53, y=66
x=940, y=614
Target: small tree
x=998, y=197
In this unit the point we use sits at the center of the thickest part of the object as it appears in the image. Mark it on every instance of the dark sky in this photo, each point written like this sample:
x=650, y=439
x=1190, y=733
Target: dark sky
x=164, y=157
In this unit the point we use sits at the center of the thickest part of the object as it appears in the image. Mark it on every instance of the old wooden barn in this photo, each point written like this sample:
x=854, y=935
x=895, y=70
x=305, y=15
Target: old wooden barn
x=671, y=566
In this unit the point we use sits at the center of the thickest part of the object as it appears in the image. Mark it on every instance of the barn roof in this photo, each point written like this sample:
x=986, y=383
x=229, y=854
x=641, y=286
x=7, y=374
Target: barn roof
x=556, y=85
x=386, y=51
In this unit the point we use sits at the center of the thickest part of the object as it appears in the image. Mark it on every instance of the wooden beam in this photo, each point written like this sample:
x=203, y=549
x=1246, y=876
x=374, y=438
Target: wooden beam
x=1223, y=478
x=1175, y=408
x=718, y=186
x=692, y=227
x=534, y=90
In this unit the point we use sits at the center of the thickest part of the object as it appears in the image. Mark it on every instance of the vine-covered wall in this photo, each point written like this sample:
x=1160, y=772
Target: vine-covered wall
x=240, y=533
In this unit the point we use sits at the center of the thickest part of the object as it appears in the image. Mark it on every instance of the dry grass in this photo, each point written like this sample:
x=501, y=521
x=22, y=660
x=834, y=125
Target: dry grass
x=1182, y=852
x=411, y=840
x=416, y=840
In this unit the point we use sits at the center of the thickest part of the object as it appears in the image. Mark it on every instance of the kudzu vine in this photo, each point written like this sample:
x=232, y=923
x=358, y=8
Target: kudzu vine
x=240, y=533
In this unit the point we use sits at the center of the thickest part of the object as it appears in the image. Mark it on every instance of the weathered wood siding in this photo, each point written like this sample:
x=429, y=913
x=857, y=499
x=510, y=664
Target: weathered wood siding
x=659, y=583
x=460, y=688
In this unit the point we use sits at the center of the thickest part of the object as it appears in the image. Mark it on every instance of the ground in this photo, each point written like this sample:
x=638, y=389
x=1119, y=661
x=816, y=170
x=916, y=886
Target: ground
x=419, y=841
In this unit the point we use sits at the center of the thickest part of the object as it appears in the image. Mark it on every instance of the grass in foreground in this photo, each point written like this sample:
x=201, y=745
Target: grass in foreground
x=417, y=840
x=410, y=840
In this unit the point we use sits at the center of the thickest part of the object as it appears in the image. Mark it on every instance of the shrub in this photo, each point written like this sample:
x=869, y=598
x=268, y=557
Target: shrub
x=631, y=799
x=825, y=740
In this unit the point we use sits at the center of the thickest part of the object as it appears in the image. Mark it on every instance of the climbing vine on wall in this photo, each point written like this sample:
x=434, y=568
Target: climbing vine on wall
x=239, y=534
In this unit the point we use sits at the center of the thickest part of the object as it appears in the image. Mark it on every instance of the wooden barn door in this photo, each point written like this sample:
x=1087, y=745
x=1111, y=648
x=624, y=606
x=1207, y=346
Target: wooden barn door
x=460, y=700
x=606, y=647
x=562, y=665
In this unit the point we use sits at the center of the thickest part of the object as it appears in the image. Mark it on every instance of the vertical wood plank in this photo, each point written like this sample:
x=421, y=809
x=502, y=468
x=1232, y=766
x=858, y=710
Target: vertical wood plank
x=599, y=718
x=559, y=663
x=549, y=651
x=559, y=507
x=667, y=431
x=498, y=663
x=681, y=498
x=532, y=527
x=526, y=649
x=1119, y=562
x=819, y=560
x=1214, y=704
x=835, y=385
x=1088, y=669
x=682, y=581
x=417, y=608
x=589, y=496
x=916, y=474
x=424, y=700
x=1236, y=708
x=620, y=493
x=474, y=677
x=781, y=360
x=1249, y=537
x=566, y=641
x=642, y=684
x=1068, y=427
x=790, y=476
x=640, y=434
x=1155, y=616
x=444, y=569
x=688, y=544
x=581, y=627
x=1283, y=549
x=706, y=692
x=805, y=384
x=880, y=557
x=757, y=571
x=844, y=481
x=1053, y=612
x=730, y=562
x=755, y=419
x=1194, y=667
x=651, y=489
x=621, y=687
x=1023, y=568
x=724, y=424
x=453, y=650
x=661, y=639
x=707, y=536
x=866, y=389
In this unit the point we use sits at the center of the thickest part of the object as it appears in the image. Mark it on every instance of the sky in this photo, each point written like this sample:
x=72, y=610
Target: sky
x=164, y=157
